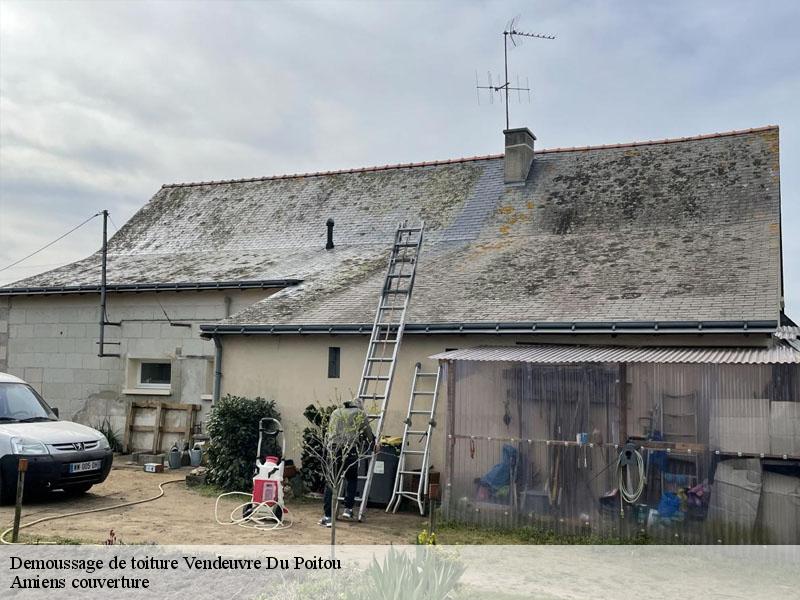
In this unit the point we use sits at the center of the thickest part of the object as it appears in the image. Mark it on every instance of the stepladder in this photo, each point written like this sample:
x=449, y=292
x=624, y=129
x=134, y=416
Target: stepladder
x=411, y=481
x=374, y=390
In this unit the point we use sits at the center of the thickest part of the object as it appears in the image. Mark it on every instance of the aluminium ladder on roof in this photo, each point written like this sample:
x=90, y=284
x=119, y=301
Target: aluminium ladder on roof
x=419, y=424
x=375, y=388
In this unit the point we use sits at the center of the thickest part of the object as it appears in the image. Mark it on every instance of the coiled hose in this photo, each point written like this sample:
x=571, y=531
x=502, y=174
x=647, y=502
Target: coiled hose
x=625, y=462
x=255, y=515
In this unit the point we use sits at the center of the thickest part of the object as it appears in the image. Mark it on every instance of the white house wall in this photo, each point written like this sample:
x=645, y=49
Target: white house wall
x=293, y=371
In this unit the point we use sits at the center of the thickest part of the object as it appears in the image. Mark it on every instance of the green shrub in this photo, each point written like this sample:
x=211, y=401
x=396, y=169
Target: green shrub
x=112, y=436
x=311, y=471
x=233, y=429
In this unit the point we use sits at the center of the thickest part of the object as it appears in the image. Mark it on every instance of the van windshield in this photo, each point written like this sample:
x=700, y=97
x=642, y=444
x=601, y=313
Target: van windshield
x=19, y=403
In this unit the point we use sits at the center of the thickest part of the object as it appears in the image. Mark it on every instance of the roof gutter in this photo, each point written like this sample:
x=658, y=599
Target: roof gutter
x=150, y=287
x=507, y=328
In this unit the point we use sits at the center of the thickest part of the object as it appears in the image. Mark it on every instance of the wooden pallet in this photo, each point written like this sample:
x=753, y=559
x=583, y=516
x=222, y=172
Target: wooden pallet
x=164, y=412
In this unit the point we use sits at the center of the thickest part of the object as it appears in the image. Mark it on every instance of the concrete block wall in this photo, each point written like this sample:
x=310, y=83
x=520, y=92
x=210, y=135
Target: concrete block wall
x=51, y=342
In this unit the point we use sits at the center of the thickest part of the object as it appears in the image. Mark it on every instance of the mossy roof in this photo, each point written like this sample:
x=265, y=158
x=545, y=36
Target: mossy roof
x=673, y=230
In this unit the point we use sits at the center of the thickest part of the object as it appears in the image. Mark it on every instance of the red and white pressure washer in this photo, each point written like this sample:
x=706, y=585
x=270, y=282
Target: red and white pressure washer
x=265, y=508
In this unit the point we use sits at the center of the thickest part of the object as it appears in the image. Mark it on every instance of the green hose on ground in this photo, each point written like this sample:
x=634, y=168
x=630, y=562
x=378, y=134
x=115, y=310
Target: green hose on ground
x=86, y=512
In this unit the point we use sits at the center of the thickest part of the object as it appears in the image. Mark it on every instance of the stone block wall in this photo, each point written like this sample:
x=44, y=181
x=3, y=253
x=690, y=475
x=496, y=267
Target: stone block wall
x=51, y=342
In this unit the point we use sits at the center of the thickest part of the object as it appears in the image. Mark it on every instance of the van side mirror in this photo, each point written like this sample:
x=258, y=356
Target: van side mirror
x=55, y=410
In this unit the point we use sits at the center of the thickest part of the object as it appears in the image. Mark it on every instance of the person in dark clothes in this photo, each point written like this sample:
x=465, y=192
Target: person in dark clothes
x=349, y=437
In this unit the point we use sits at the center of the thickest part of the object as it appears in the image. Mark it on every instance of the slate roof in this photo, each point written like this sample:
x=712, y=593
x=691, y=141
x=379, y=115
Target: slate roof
x=673, y=231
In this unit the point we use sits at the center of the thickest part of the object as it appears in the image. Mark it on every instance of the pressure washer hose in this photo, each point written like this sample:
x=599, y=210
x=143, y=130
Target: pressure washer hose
x=86, y=512
x=262, y=516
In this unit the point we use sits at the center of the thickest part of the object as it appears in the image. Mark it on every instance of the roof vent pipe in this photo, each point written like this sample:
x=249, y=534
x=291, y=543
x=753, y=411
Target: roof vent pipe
x=519, y=155
x=329, y=244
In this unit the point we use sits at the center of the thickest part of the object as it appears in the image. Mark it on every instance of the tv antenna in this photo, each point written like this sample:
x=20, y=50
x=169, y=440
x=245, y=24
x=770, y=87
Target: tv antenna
x=516, y=37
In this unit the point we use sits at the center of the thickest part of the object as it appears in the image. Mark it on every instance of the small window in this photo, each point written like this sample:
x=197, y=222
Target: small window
x=155, y=374
x=334, y=362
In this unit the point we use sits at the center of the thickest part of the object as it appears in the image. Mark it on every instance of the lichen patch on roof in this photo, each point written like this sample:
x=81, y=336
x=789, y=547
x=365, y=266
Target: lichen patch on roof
x=675, y=230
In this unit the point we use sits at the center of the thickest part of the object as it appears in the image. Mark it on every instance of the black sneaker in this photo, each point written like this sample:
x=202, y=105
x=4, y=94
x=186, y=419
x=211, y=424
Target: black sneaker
x=347, y=515
x=325, y=522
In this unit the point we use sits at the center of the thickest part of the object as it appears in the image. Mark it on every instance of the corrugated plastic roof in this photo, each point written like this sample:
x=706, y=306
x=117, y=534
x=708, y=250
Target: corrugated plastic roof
x=779, y=353
x=788, y=332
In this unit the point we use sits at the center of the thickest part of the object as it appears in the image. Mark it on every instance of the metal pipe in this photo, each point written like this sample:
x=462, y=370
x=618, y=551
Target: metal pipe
x=329, y=225
x=217, y=369
x=505, y=62
x=101, y=347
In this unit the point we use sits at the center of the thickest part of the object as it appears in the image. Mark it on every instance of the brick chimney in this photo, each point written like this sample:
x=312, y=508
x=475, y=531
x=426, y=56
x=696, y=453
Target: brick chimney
x=519, y=155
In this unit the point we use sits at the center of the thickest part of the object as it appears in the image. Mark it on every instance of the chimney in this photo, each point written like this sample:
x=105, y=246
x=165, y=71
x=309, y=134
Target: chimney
x=329, y=225
x=519, y=155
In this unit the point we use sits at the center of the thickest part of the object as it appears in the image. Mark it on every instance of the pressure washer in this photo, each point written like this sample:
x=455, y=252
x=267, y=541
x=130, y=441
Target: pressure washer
x=265, y=508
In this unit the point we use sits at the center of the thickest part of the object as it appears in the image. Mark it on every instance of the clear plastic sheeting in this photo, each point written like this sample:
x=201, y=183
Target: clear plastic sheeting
x=539, y=445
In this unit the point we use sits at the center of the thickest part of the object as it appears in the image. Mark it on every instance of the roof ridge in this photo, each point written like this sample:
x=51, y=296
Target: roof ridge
x=692, y=138
x=451, y=161
x=430, y=163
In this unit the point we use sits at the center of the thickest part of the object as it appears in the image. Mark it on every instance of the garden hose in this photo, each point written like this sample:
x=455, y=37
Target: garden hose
x=86, y=512
x=261, y=515
x=629, y=457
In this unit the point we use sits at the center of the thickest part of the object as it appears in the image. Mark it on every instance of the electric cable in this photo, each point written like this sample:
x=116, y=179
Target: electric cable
x=50, y=243
x=86, y=512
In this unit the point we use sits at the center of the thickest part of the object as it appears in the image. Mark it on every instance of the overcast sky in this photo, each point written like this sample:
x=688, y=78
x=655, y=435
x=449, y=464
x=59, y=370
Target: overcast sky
x=102, y=102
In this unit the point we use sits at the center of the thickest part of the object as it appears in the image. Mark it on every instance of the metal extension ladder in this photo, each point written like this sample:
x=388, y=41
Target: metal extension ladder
x=384, y=343
x=413, y=428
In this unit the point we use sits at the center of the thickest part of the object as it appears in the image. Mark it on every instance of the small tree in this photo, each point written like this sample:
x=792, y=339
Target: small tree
x=312, y=471
x=330, y=445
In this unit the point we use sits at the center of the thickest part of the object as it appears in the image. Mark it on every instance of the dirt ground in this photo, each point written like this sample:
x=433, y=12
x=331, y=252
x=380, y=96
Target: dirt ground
x=184, y=515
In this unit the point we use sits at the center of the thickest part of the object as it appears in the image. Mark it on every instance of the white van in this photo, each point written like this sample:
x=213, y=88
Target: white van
x=61, y=454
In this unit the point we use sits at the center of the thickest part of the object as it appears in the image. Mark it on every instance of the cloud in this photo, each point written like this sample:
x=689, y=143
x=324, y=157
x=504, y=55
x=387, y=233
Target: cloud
x=101, y=103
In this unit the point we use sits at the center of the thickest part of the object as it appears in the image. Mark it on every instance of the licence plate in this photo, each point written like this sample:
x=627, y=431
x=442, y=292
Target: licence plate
x=91, y=465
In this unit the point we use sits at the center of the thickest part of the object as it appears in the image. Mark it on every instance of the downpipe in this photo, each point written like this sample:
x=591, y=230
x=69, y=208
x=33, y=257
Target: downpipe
x=217, y=369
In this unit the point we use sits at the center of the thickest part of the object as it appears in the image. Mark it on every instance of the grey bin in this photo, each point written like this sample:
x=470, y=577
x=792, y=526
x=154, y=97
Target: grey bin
x=380, y=492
